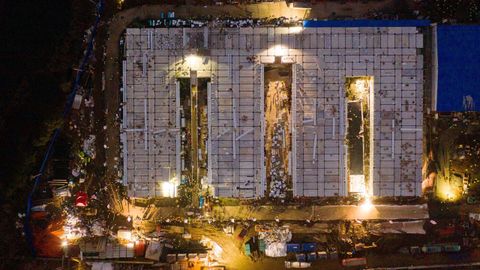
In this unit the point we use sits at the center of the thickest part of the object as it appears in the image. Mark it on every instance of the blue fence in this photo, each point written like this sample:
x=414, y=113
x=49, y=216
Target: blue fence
x=54, y=137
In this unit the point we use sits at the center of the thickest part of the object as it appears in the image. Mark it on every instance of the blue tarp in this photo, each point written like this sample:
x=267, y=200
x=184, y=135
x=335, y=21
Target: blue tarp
x=458, y=66
x=367, y=23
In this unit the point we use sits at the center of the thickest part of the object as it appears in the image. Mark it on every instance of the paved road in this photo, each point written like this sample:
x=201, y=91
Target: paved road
x=322, y=213
x=314, y=213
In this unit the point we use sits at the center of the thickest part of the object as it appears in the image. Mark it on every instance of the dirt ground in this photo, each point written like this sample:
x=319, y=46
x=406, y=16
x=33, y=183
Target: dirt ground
x=235, y=259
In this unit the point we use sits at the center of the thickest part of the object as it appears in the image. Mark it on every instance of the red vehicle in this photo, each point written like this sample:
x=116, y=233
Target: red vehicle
x=446, y=231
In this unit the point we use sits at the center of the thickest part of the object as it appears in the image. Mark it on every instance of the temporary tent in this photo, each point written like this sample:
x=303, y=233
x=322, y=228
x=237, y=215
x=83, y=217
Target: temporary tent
x=276, y=249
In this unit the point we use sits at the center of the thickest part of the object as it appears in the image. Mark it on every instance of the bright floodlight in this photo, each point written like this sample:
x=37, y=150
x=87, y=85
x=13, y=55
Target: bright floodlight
x=64, y=243
x=193, y=61
x=366, y=205
x=447, y=192
x=168, y=189
x=361, y=86
x=124, y=235
x=295, y=29
x=280, y=50
x=357, y=183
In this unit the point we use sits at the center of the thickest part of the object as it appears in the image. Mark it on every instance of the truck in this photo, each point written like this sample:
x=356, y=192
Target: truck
x=242, y=233
x=322, y=255
x=452, y=247
x=301, y=257
x=431, y=249
x=289, y=265
x=312, y=256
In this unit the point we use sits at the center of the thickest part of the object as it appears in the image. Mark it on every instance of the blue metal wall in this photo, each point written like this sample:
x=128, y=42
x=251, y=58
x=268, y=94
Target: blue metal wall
x=367, y=23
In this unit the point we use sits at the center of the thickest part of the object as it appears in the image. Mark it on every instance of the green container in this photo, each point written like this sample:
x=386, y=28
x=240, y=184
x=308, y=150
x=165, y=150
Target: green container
x=261, y=245
x=247, y=249
x=452, y=248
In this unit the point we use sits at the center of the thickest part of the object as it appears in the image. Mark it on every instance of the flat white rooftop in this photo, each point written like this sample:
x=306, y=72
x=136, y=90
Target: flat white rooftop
x=321, y=58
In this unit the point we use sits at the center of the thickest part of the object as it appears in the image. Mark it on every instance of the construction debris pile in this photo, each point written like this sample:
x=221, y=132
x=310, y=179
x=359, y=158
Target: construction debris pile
x=276, y=241
x=73, y=228
x=223, y=22
x=277, y=173
x=89, y=146
x=277, y=116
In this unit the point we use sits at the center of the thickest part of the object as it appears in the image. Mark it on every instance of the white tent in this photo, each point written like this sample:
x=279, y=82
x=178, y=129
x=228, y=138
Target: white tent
x=276, y=249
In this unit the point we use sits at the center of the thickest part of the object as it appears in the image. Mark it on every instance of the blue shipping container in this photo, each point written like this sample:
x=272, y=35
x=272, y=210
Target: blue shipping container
x=309, y=247
x=293, y=248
